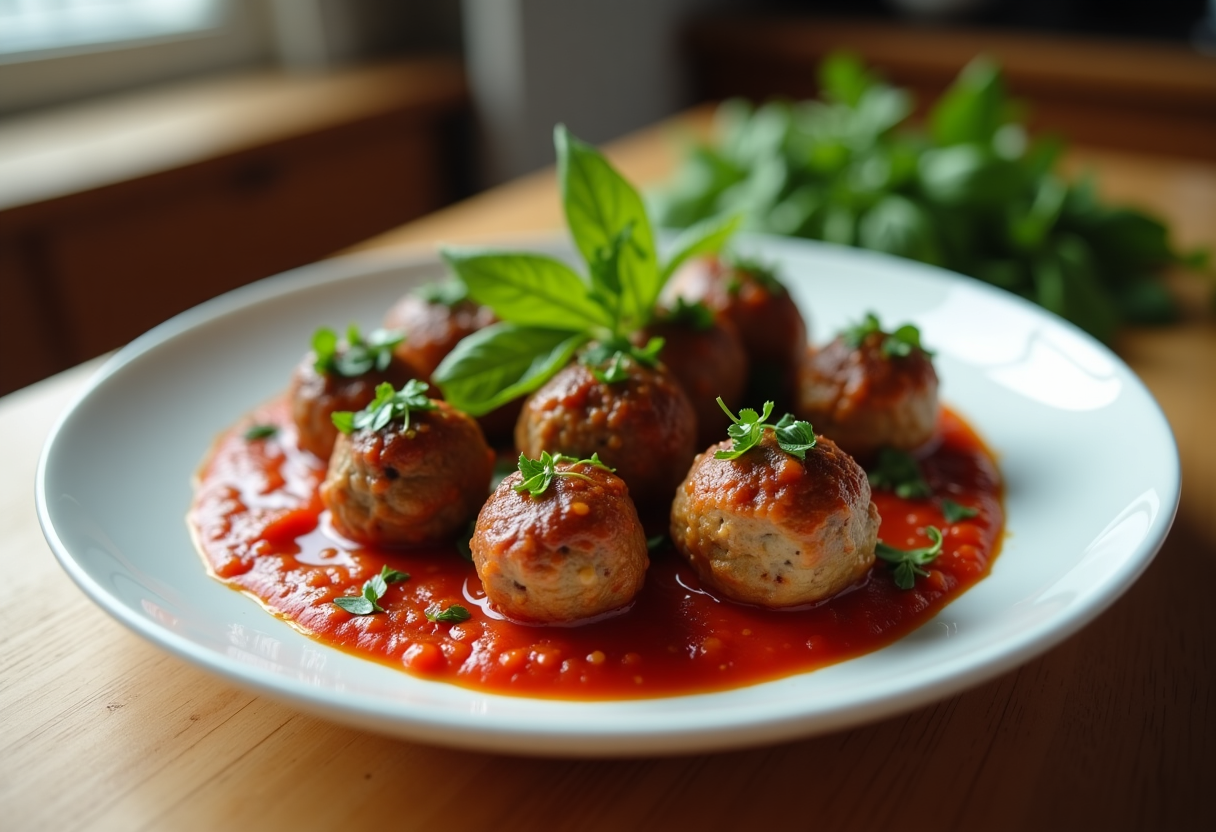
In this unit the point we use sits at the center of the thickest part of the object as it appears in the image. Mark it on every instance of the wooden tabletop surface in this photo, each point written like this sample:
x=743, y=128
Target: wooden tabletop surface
x=1113, y=729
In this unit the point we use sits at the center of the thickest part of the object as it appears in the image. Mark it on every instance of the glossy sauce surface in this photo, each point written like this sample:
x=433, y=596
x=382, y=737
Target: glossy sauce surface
x=261, y=528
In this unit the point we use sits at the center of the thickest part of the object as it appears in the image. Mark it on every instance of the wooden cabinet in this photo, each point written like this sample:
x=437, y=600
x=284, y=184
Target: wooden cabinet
x=86, y=272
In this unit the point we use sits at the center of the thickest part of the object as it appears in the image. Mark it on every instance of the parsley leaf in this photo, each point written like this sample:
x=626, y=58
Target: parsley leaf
x=367, y=601
x=359, y=355
x=954, y=512
x=538, y=473
x=795, y=437
x=898, y=471
x=452, y=615
x=696, y=314
x=907, y=563
x=443, y=293
x=615, y=353
x=256, y=432
x=388, y=405
x=759, y=272
x=898, y=344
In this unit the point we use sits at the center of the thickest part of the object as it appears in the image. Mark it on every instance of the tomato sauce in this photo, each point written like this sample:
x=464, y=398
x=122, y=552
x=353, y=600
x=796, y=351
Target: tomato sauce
x=261, y=528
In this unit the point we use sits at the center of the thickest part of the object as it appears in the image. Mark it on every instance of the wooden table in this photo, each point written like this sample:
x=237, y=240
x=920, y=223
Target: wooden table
x=1113, y=729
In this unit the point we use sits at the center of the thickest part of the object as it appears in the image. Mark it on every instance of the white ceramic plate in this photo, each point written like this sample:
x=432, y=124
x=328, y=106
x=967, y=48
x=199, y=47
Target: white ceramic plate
x=1090, y=466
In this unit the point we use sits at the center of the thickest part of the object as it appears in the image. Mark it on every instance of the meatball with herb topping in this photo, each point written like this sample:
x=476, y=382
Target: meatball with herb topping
x=434, y=319
x=706, y=358
x=407, y=470
x=870, y=389
x=763, y=525
x=753, y=300
x=559, y=541
x=341, y=374
x=636, y=417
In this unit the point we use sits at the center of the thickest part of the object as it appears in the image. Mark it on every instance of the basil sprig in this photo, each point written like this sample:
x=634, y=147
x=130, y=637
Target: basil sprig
x=388, y=405
x=908, y=563
x=360, y=355
x=795, y=437
x=548, y=309
x=368, y=599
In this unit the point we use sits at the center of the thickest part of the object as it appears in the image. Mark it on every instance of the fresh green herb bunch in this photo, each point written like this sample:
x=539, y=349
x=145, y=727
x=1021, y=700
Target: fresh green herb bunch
x=793, y=436
x=546, y=308
x=538, y=474
x=899, y=343
x=970, y=193
x=360, y=355
x=388, y=405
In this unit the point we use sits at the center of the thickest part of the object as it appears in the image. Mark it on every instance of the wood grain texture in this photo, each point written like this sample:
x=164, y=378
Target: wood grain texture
x=1114, y=729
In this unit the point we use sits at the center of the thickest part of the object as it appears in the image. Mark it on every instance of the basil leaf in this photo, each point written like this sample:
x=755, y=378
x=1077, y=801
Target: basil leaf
x=452, y=615
x=256, y=432
x=502, y=362
x=706, y=237
x=527, y=289
x=599, y=205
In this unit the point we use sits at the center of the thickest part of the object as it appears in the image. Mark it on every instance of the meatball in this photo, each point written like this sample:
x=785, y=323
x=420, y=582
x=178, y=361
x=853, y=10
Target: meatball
x=435, y=319
x=768, y=322
x=409, y=486
x=865, y=395
x=767, y=528
x=574, y=551
x=433, y=325
x=316, y=395
x=708, y=361
x=643, y=426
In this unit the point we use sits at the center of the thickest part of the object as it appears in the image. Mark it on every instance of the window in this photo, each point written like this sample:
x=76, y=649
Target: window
x=57, y=25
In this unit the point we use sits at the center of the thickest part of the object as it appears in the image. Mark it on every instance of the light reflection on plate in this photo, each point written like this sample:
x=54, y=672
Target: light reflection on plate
x=1086, y=509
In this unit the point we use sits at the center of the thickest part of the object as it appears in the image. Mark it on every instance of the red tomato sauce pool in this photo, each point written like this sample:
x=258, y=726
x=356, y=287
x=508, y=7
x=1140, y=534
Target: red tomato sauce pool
x=261, y=528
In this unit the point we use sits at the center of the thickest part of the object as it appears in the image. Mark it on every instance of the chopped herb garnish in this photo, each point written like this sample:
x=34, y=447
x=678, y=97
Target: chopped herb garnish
x=373, y=590
x=444, y=293
x=256, y=432
x=795, y=437
x=359, y=355
x=539, y=473
x=388, y=405
x=761, y=273
x=695, y=314
x=954, y=512
x=452, y=615
x=907, y=563
x=898, y=472
x=898, y=344
x=653, y=544
x=608, y=360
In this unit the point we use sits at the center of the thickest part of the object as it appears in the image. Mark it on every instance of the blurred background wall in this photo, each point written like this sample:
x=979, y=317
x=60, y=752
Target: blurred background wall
x=154, y=153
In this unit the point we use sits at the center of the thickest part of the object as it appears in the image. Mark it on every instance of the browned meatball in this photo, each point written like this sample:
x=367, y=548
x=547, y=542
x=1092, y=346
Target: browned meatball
x=865, y=397
x=767, y=320
x=316, y=395
x=708, y=362
x=409, y=487
x=644, y=426
x=575, y=551
x=434, y=323
x=770, y=529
